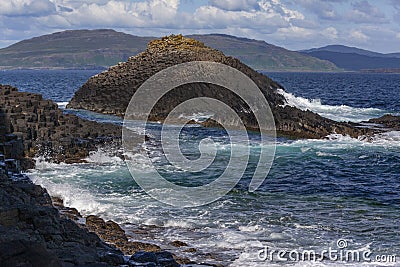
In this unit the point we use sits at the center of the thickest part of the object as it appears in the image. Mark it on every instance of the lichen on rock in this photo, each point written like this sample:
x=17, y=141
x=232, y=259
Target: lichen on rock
x=174, y=42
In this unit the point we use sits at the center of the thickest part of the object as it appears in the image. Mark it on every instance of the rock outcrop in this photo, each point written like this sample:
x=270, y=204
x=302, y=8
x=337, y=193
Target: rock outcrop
x=389, y=121
x=35, y=233
x=46, y=130
x=110, y=92
x=32, y=232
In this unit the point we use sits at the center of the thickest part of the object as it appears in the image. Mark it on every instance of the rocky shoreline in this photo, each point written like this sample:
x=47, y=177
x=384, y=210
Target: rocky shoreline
x=38, y=230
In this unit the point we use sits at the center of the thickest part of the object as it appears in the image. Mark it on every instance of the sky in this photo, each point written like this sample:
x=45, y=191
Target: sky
x=293, y=24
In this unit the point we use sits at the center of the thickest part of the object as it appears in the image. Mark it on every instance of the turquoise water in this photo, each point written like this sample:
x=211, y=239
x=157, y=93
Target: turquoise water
x=317, y=192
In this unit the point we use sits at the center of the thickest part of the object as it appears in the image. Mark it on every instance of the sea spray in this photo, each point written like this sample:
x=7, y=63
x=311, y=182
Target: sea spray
x=337, y=113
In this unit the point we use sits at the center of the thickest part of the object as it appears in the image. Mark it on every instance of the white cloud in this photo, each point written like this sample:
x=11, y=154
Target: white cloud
x=359, y=36
x=54, y=21
x=212, y=17
x=26, y=7
x=276, y=6
x=364, y=12
x=294, y=24
x=295, y=32
x=154, y=13
x=235, y=5
x=330, y=33
x=323, y=9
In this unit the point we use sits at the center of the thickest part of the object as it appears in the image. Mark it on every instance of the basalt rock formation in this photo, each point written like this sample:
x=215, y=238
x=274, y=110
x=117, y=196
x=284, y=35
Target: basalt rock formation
x=36, y=230
x=46, y=130
x=389, y=121
x=110, y=91
x=33, y=233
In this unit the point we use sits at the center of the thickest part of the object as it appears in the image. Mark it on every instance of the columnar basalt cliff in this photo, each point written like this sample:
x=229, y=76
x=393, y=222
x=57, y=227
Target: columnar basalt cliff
x=46, y=130
x=110, y=92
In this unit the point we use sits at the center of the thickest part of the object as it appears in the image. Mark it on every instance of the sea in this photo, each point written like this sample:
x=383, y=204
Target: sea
x=338, y=197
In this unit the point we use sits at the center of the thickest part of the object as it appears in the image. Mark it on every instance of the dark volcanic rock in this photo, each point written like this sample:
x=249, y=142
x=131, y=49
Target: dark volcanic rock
x=46, y=130
x=178, y=244
x=389, y=121
x=162, y=259
x=112, y=233
x=32, y=232
x=110, y=92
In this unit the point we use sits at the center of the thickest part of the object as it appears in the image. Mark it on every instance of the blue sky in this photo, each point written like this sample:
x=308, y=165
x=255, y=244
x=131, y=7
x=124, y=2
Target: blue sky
x=293, y=24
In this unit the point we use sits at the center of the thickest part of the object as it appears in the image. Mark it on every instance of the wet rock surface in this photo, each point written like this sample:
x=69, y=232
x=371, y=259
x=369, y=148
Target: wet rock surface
x=155, y=258
x=389, y=121
x=110, y=92
x=38, y=230
x=142, y=252
x=32, y=232
x=112, y=233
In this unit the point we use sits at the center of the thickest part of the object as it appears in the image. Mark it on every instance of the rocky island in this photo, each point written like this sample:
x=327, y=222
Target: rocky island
x=110, y=92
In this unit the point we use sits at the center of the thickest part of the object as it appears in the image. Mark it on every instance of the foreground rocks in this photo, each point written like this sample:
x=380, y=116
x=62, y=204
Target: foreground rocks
x=46, y=130
x=112, y=233
x=32, y=232
x=110, y=92
x=141, y=252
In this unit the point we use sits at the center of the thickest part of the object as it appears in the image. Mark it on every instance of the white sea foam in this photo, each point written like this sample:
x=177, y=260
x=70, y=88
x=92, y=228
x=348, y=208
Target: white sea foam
x=251, y=228
x=100, y=156
x=62, y=105
x=178, y=223
x=198, y=117
x=76, y=184
x=337, y=142
x=337, y=113
x=387, y=139
x=75, y=197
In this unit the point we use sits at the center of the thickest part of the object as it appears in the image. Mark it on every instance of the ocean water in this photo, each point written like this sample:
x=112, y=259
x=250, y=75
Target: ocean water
x=317, y=192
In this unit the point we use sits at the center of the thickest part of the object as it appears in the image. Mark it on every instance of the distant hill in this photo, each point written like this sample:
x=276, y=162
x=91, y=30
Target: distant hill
x=397, y=55
x=73, y=49
x=80, y=49
x=263, y=56
x=355, y=59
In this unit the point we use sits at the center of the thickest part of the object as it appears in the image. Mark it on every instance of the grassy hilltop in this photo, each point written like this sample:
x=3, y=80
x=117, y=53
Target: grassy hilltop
x=79, y=49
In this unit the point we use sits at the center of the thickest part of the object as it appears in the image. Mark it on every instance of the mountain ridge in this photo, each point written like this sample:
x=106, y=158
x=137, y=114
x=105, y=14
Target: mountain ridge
x=355, y=59
x=88, y=49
